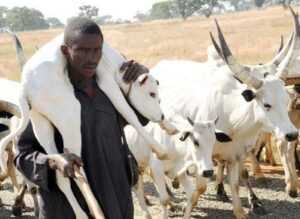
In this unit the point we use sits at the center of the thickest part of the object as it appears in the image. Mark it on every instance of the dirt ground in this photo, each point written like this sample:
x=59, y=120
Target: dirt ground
x=271, y=192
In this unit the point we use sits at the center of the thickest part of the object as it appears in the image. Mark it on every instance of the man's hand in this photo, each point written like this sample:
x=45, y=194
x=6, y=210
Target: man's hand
x=132, y=70
x=64, y=163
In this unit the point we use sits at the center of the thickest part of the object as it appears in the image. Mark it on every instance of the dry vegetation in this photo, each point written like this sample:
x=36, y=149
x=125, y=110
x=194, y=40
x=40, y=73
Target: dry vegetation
x=254, y=37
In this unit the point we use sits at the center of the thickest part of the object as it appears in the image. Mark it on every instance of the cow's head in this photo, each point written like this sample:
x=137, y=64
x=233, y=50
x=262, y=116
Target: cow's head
x=268, y=92
x=203, y=135
x=144, y=96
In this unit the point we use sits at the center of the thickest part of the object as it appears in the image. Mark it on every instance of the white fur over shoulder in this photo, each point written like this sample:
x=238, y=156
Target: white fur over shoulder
x=47, y=98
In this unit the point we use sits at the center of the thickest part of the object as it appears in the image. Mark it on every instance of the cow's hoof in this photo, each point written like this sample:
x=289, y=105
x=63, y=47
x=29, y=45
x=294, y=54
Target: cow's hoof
x=148, y=202
x=258, y=210
x=293, y=194
x=148, y=216
x=175, y=183
x=222, y=197
x=17, y=210
x=241, y=215
x=261, y=181
x=176, y=208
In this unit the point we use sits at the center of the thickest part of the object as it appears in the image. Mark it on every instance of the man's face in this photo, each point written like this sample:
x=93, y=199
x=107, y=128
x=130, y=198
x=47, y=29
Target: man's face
x=84, y=54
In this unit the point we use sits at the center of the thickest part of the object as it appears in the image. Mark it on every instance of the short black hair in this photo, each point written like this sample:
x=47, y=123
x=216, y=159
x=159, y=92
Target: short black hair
x=78, y=25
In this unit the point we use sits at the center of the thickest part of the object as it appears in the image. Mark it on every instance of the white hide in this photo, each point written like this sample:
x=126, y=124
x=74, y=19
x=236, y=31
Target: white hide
x=47, y=98
x=183, y=156
x=199, y=92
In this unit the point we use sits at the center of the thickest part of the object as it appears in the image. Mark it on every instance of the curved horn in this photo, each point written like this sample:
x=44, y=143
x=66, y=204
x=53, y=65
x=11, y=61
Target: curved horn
x=217, y=47
x=190, y=121
x=281, y=44
x=19, y=49
x=9, y=107
x=282, y=51
x=241, y=72
x=295, y=46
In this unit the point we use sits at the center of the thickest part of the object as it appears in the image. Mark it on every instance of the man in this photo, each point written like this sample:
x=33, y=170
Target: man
x=103, y=154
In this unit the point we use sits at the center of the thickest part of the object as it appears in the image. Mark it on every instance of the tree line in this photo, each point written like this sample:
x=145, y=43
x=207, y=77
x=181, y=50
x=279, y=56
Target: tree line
x=186, y=8
x=24, y=18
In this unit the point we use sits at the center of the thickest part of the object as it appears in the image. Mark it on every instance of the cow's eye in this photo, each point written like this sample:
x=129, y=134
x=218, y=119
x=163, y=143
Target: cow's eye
x=152, y=94
x=267, y=106
x=196, y=143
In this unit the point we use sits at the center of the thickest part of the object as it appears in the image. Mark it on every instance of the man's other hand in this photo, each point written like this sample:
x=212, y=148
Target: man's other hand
x=132, y=70
x=64, y=163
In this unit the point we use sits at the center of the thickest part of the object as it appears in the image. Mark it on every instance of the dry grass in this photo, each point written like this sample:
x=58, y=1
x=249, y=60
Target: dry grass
x=253, y=36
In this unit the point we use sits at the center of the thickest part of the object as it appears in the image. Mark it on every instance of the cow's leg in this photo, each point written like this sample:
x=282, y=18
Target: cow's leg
x=256, y=205
x=234, y=170
x=288, y=163
x=192, y=192
x=139, y=191
x=11, y=170
x=19, y=204
x=158, y=176
x=269, y=149
x=297, y=160
x=45, y=133
x=256, y=170
x=221, y=193
x=33, y=192
x=292, y=165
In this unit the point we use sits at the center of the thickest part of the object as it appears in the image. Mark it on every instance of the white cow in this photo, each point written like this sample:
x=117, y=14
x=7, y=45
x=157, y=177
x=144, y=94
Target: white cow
x=206, y=94
x=190, y=153
x=283, y=65
x=11, y=172
x=42, y=104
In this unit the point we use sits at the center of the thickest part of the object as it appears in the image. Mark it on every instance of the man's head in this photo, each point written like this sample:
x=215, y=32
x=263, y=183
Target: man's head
x=82, y=47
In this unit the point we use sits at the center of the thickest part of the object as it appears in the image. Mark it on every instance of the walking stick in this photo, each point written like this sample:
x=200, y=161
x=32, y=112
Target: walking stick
x=85, y=189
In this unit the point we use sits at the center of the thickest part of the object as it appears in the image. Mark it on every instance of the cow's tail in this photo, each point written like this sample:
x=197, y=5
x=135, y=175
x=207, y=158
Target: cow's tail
x=25, y=117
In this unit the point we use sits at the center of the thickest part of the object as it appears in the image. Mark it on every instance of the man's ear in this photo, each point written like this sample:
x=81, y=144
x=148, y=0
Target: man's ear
x=64, y=50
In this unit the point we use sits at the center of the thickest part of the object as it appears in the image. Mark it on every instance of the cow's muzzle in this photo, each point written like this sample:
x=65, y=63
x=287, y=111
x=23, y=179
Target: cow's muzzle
x=208, y=173
x=291, y=136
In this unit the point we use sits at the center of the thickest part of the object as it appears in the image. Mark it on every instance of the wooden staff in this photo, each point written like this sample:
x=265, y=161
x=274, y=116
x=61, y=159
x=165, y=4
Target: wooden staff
x=85, y=189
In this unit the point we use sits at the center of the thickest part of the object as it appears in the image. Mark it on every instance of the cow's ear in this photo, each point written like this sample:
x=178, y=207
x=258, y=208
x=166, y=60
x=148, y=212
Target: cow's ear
x=248, y=95
x=222, y=137
x=184, y=136
x=142, y=79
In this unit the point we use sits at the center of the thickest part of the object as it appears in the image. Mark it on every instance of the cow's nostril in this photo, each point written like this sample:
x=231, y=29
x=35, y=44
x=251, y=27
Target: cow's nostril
x=291, y=136
x=208, y=173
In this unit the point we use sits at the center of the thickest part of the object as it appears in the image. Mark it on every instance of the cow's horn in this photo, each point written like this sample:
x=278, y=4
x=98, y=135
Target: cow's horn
x=241, y=72
x=9, y=107
x=295, y=46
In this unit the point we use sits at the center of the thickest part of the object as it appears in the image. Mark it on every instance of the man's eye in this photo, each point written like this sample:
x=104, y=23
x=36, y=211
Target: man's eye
x=152, y=94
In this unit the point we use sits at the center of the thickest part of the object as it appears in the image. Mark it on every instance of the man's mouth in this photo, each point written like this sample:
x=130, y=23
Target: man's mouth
x=90, y=67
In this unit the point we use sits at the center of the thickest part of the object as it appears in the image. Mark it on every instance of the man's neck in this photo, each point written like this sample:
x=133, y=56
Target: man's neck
x=86, y=84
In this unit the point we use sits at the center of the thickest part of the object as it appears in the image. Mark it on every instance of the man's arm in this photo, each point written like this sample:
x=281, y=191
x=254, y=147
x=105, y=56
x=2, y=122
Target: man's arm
x=32, y=161
x=37, y=166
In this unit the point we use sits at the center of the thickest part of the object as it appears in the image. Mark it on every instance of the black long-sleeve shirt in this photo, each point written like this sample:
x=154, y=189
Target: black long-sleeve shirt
x=103, y=156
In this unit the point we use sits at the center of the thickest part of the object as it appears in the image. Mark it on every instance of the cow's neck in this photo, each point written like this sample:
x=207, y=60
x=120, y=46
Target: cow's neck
x=243, y=121
x=124, y=86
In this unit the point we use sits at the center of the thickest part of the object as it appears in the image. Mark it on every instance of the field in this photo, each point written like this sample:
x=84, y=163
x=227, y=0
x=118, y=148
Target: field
x=254, y=37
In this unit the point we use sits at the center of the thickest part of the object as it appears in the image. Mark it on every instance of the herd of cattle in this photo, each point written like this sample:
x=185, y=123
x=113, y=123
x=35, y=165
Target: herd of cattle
x=202, y=114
